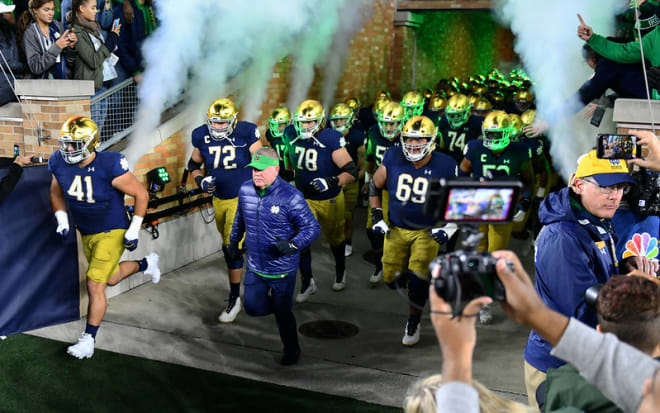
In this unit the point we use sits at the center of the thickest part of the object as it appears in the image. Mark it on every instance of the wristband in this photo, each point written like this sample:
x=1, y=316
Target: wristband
x=134, y=228
x=62, y=217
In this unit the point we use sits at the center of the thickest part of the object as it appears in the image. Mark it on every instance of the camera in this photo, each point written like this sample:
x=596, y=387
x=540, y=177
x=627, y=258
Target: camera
x=644, y=198
x=465, y=275
x=591, y=296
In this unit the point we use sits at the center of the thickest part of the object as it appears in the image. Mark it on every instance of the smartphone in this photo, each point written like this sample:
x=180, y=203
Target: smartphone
x=473, y=201
x=618, y=147
x=115, y=23
x=17, y=151
x=597, y=116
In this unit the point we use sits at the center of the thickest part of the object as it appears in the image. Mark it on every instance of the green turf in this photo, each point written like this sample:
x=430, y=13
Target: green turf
x=36, y=375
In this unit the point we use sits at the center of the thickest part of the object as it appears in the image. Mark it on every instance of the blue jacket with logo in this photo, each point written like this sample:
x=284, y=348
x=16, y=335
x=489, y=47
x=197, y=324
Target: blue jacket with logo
x=574, y=251
x=280, y=213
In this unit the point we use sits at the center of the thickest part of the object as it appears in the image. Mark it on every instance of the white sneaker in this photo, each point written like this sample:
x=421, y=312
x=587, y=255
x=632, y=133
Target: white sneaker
x=376, y=277
x=3, y=337
x=84, y=348
x=410, y=335
x=304, y=295
x=348, y=250
x=485, y=315
x=340, y=284
x=152, y=267
x=232, y=310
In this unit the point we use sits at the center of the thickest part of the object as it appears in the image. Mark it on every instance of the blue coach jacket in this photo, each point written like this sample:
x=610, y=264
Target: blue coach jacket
x=280, y=213
x=574, y=251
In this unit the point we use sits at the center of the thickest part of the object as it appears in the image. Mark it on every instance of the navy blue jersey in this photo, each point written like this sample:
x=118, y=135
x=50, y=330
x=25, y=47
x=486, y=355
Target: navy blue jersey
x=96, y=206
x=453, y=141
x=279, y=145
x=226, y=159
x=365, y=117
x=508, y=163
x=536, y=145
x=354, y=139
x=377, y=145
x=312, y=158
x=407, y=186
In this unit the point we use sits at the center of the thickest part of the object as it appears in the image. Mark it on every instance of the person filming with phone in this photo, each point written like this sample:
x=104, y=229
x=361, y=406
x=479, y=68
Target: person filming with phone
x=576, y=249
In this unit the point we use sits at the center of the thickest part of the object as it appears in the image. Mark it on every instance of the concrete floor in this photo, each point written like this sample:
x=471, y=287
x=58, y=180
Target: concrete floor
x=176, y=321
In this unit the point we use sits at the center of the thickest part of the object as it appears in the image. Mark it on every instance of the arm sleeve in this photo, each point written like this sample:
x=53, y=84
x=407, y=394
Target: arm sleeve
x=456, y=397
x=307, y=226
x=619, y=52
x=8, y=182
x=615, y=368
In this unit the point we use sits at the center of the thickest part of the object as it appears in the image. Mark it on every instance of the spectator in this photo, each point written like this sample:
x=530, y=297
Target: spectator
x=104, y=15
x=93, y=61
x=277, y=224
x=9, y=50
x=628, y=377
x=629, y=308
x=575, y=250
x=652, y=159
x=48, y=49
x=131, y=38
x=9, y=181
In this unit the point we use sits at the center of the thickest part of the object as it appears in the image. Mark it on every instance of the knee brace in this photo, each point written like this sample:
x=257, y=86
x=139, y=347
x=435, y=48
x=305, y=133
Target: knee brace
x=232, y=264
x=418, y=291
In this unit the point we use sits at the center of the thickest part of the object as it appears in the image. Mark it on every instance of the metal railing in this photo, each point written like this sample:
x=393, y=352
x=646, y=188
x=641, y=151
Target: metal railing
x=114, y=112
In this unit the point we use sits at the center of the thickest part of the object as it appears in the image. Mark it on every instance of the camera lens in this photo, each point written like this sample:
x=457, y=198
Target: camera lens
x=473, y=263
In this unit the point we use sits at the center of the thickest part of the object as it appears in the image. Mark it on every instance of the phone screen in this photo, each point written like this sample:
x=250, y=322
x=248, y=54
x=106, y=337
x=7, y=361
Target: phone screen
x=479, y=204
x=115, y=23
x=618, y=147
x=16, y=150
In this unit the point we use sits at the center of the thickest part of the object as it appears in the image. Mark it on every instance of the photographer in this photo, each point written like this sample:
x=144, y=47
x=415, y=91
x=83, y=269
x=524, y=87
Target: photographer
x=628, y=377
x=629, y=308
x=9, y=181
x=575, y=250
x=652, y=159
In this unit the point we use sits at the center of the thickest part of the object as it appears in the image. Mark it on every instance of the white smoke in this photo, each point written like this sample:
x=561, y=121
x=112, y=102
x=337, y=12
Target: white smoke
x=210, y=49
x=547, y=42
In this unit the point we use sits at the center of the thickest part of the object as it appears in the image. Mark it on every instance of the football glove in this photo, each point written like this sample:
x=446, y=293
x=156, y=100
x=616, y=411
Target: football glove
x=379, y=224
x=233, y=253
x=325, y=184
x=208, y=184
x=286, y=247
x=439, y=235
x=519, y=216
x=132, y=233
x=62, y=223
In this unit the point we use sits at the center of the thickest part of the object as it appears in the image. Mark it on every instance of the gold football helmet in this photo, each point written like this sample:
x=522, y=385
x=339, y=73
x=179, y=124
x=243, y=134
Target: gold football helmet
x=496, y=130
x=417, y=128
x=221, y=118
x=378, y=106
x=341, y=118
x=427, y=93
x=309, y=111
x=528, y=117
x=382, y=94
x=523, y=98
x=279, y=119
x=437, y=103
x=413, y=102
x=482, y=107
x=458, y=110
x=78, y=139
x=516, y=127
x=391, y=120
x=353, y=103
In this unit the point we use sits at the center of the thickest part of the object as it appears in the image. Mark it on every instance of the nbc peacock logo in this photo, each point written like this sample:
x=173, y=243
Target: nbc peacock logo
x=641, y=245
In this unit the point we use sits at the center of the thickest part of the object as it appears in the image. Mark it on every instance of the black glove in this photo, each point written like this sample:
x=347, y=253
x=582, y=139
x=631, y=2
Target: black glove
x=233, y=253
x=376, y=215
x=325, y=184
x=653, y=74
x=286, y=247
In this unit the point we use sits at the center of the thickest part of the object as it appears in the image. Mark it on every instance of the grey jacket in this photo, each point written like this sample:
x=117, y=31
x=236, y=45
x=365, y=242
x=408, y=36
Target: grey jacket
x=40, y=59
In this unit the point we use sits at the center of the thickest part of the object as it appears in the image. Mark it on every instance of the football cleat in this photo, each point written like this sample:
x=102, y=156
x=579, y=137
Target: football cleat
x=84, y=348
x=152, y=267
x=376, y=277
x=340, y=282
x=348, y=250
x=221, y=118
x=304, y=295
x=410, y=335
x=78, y=139
x=232, y=310
x=417, y=128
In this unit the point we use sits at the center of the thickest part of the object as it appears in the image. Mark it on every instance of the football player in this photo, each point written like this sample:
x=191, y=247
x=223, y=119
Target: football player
x=225, y=147
x=457, y=127
x=279, y=119
x=380, y=138
x=322, y=166
x=482, y=107
x=93, y=185
x=413, y=102
x=437, y=104
x=405, y=174
x=522, y=100
x=342, y=120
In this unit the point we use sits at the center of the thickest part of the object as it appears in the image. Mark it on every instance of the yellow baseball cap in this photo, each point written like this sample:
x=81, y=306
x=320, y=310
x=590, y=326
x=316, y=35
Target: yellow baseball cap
x=606, y=172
